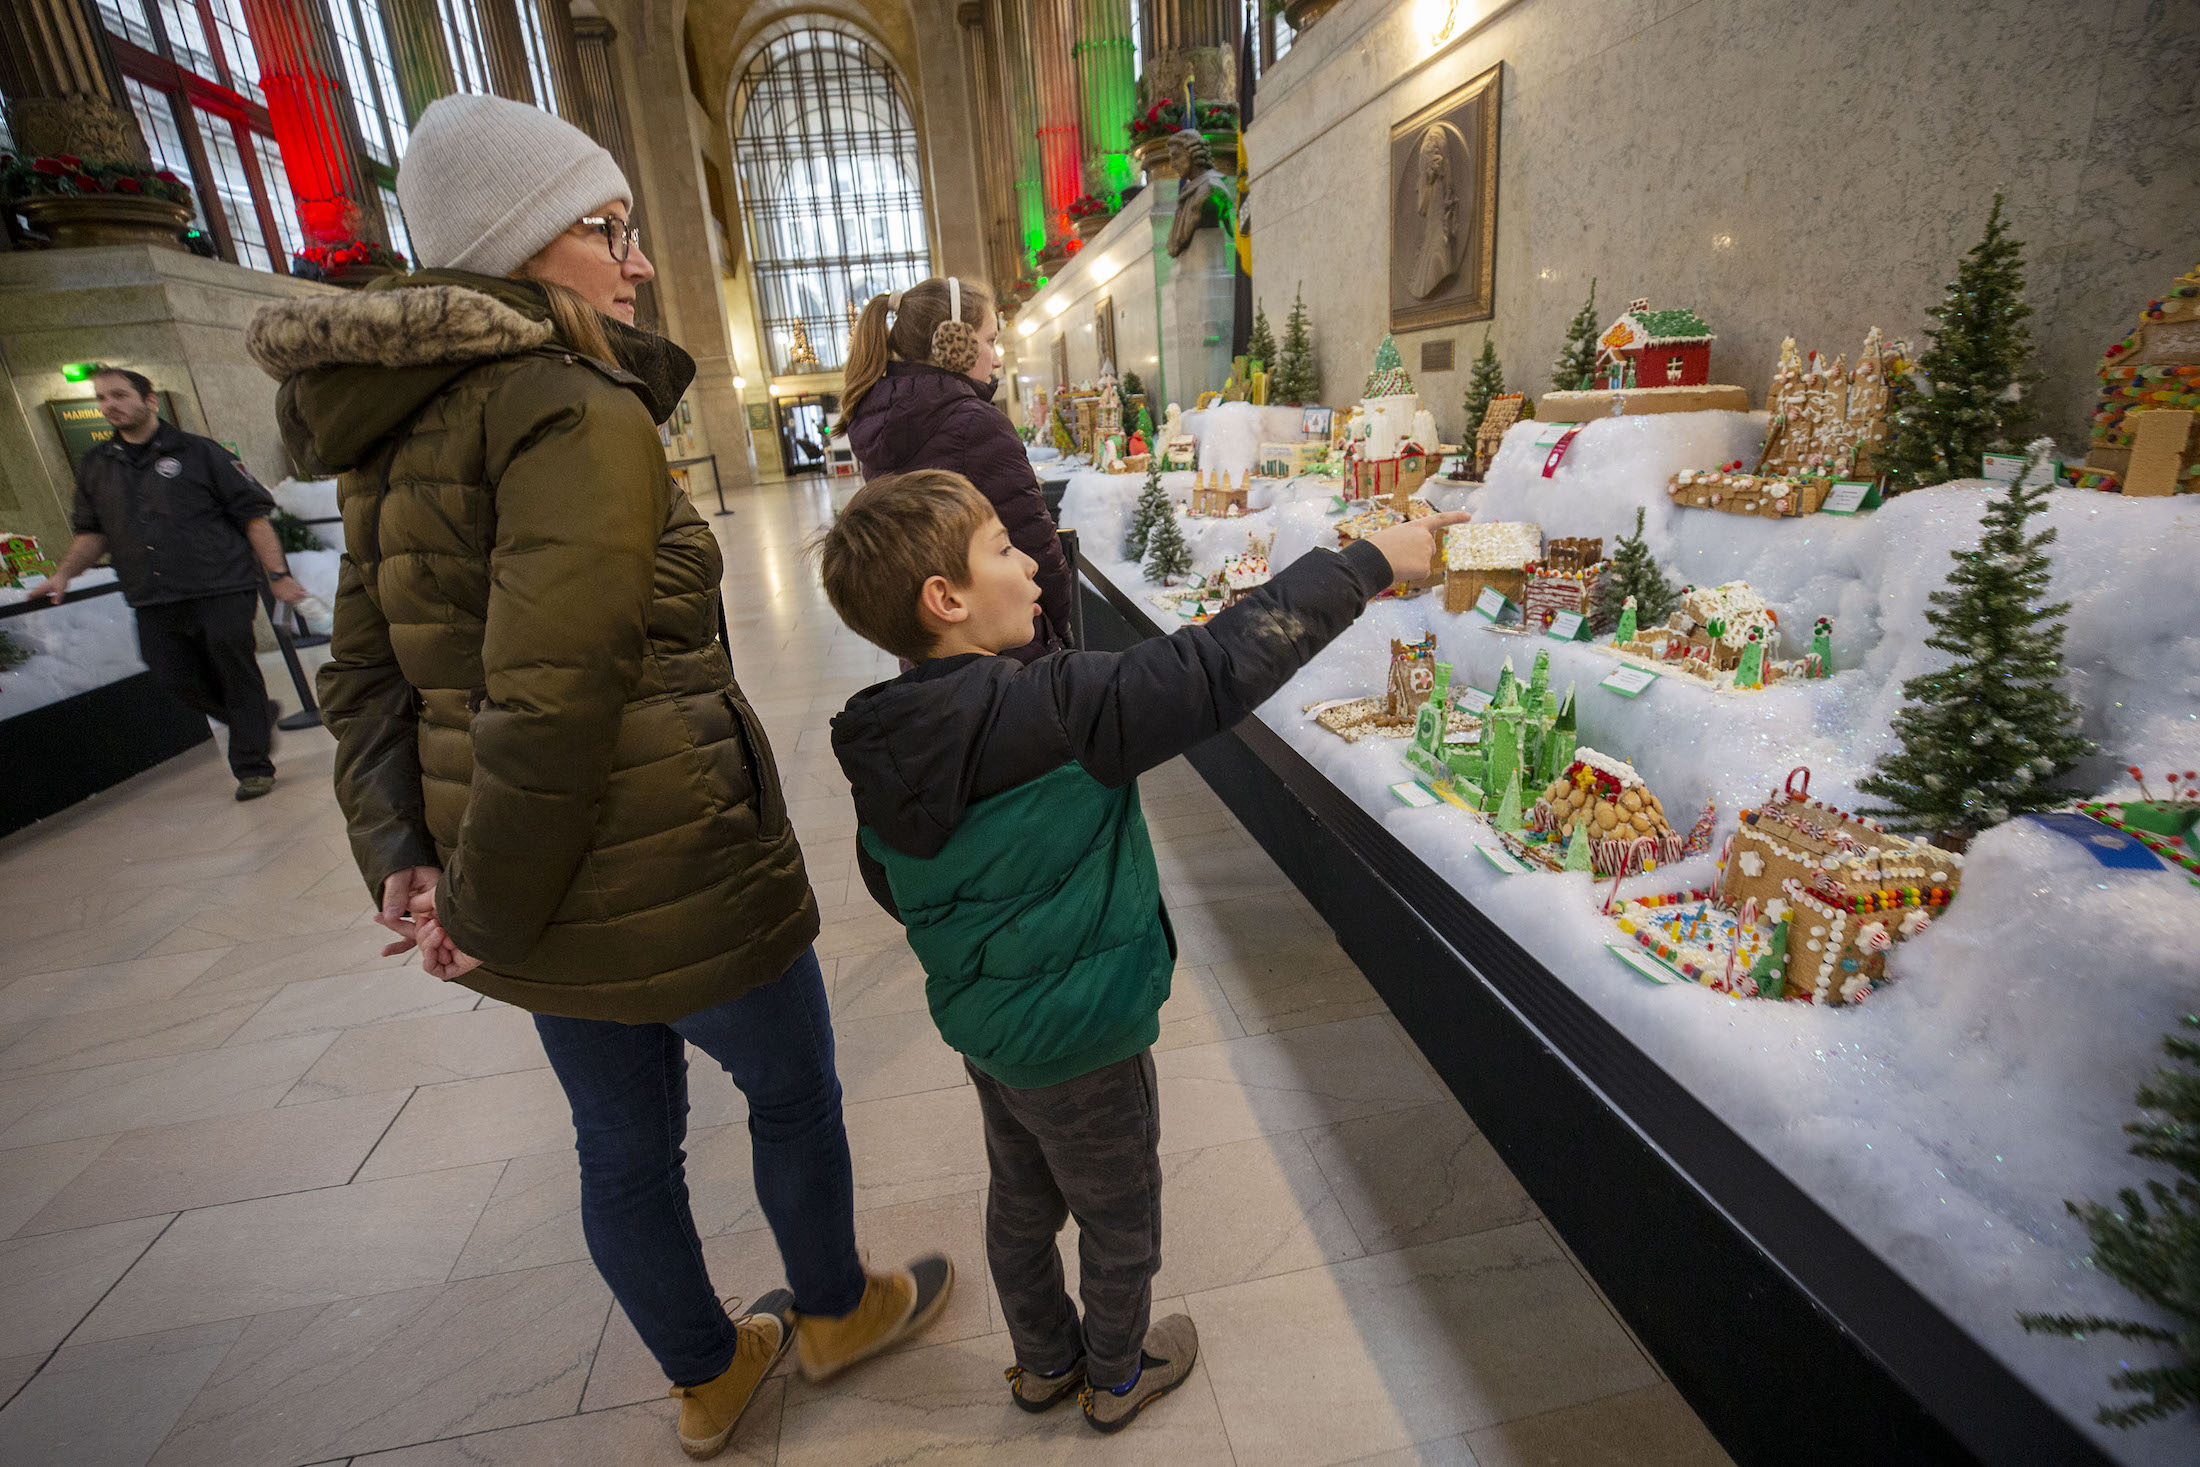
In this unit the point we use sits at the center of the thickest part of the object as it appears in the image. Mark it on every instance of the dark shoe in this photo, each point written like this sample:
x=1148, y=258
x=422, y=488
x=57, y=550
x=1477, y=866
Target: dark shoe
x=709, y=1412
x=1035, y=1392
x=253, y=786
x=894, y=1305
x=1171, y=1348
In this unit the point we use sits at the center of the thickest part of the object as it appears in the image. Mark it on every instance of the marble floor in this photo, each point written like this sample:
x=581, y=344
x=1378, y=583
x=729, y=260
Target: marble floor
x=268, y=1199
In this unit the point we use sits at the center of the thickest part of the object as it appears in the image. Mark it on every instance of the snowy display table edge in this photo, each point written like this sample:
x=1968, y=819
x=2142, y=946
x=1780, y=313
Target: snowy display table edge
x=1709, y=1251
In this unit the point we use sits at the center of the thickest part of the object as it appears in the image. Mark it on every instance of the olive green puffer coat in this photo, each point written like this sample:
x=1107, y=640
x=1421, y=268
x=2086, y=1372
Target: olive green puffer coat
x=526, y=684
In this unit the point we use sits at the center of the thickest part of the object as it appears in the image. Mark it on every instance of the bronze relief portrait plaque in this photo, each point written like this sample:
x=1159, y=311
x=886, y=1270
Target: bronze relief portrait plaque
x=1443, y=210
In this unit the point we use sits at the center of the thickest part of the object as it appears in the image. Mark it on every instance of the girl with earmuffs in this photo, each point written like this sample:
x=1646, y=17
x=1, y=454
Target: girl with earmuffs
x=918, y=394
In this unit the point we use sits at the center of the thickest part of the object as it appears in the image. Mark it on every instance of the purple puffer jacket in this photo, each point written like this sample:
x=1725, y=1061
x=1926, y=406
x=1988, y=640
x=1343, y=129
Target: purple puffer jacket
x=925, y=417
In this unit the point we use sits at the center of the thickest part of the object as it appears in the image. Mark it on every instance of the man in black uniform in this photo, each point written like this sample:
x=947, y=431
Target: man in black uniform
x=187, y=526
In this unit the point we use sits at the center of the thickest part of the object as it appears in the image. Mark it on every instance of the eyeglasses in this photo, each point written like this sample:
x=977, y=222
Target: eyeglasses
x=617, y=233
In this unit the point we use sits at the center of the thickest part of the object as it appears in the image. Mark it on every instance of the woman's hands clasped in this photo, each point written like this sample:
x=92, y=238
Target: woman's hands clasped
x=408, y=909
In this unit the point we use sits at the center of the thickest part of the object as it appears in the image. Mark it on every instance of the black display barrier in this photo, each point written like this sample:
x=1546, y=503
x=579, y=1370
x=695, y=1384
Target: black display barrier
x=1792, y=1340
x=71, y=750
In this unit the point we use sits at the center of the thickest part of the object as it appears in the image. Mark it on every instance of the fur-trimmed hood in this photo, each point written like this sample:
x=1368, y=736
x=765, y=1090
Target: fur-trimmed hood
x=356, y=366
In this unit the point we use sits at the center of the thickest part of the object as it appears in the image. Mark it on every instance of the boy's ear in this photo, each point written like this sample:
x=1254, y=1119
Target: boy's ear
x=940, y=605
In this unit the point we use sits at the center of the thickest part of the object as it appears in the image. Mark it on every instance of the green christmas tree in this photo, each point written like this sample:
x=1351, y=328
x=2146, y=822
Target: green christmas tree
x=1633, y=572
x=1577, y=364
x=1123, y=401
x=1964, y=396
x=1261, y=347
x=1167, y=556
x=2151, y=1245
x=1297, y=380
x=1981, y=737
x=1486, y=381
x=1151, y=509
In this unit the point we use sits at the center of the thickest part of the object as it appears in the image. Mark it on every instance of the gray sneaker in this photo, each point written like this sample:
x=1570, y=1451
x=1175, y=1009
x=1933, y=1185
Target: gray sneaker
x=1171, y=1349
x=253, y=786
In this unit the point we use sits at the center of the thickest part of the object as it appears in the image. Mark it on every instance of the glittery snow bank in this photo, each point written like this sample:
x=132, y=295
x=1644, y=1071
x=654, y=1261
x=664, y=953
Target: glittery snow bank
x=1947, y=1117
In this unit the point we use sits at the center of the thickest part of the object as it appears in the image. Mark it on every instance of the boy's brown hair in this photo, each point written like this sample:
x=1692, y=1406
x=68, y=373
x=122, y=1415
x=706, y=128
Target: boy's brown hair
x=898, y=532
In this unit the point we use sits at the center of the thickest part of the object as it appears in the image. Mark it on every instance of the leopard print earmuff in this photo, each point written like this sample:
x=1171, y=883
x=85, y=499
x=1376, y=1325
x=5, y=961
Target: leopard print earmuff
x=954, y=340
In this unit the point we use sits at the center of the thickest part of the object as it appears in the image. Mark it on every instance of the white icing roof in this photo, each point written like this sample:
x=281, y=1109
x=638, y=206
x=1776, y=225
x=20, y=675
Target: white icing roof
x=1492, y=545
x=1610, y=764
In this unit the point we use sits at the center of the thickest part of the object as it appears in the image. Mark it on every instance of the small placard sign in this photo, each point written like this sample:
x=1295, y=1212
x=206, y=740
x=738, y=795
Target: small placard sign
x=1494, y=604
x=1629, y=682
x=2003, y=468
x=1643, y=963
x=1416, y=794
x=1848, y=496
x=1504, y=860
x=1568, y=626
x=1472, y=698
x=1548, y=434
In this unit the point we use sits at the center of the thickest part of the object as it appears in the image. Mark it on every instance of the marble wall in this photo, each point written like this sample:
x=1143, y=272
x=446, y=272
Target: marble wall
x=1786, y=168
x=175, y=317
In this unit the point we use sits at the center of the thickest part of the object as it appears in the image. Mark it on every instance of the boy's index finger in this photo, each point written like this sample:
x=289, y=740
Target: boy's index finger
x=1448, y=517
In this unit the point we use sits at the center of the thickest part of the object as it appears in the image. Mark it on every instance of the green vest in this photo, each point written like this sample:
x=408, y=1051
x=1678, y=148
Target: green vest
x=1046, y=953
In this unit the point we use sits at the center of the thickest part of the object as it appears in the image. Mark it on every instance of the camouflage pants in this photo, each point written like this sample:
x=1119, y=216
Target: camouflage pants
x=1087, y=1148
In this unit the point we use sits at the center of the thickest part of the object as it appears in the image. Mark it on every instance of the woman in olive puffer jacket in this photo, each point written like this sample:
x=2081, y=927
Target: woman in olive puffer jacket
x=553, y=784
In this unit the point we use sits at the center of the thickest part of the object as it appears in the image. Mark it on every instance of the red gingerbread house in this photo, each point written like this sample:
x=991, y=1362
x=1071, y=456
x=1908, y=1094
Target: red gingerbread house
x=1666, y=348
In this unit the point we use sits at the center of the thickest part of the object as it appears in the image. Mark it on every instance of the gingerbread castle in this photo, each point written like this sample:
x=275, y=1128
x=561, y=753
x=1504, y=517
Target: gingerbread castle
x=2150, y=394
x=1563, y=580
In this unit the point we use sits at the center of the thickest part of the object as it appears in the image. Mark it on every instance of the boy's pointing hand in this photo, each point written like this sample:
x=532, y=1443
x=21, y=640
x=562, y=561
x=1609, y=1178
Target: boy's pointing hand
x=1411, y=548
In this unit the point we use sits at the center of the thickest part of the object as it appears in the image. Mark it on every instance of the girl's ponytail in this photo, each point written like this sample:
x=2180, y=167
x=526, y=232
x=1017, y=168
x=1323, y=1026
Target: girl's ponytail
x=866, y=356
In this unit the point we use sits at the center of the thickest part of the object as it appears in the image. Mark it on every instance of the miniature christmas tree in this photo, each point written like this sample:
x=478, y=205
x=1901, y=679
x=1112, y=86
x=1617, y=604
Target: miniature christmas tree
x=2151, y=1246
x=1821, y=646
x=1262, y=346
x=1769, y=972
x=1627, y=627
x=1297, y=380
x=1964, y=396
x=1751, y=672
x=1577, y=849
x=1632, y=575
x=1981, y=737
x=1151, y=509
x=801, y=356
x=1507, y=818
x=1485, y=382
x=1576, y=368
x=1127, y=388
x=1167, y=556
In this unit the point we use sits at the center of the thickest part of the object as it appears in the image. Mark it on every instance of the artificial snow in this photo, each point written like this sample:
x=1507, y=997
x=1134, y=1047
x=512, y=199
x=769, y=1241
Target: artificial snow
x=73, y=648
x=1946, y=1118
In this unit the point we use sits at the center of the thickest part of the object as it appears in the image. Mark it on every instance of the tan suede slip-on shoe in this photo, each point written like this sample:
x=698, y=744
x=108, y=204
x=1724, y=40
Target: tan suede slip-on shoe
x=709, y=1412
x=894, y=1305
x=1171, y=1349
x=1035, y=1392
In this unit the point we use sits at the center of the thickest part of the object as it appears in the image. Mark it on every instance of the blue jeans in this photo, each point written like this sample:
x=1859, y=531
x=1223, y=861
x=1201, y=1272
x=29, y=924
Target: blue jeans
x=628, y=1087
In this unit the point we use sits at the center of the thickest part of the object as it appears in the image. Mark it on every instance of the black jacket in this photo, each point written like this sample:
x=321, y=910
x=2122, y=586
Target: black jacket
x=920, y=750
x=923, y=417
x=174, y=510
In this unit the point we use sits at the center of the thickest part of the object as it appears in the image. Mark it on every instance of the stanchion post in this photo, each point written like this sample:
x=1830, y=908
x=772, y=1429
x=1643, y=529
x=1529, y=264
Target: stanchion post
x=309, y=712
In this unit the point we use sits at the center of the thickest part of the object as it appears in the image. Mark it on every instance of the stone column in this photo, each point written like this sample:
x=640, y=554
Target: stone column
x=1004, y=260
x=1193, y=40
x=602, y=115
x=64, y=93
x=423, y=65
x=313, y=121
x=690, y=291
x=507, y=48
x=1109, y=87
x=1008, y=20
x=563, y=43
x=1061, y=146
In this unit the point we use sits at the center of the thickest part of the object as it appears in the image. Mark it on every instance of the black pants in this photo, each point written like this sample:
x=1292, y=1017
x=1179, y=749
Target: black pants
x=1089, y=1148
x=201, y=652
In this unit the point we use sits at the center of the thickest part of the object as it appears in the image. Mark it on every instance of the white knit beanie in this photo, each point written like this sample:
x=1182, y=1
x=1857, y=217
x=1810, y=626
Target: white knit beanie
x=486, y=182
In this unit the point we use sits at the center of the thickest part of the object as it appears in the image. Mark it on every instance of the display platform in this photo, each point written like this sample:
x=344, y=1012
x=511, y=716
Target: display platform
x=1823, y=1217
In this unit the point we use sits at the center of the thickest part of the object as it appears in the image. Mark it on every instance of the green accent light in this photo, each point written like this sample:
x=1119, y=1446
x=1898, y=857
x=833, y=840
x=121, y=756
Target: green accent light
x=79, y=371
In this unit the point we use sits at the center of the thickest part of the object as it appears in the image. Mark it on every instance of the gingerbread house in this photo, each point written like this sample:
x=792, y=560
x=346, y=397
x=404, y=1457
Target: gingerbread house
x=22, y=565
x=1828, y=421
x=1847, y=887
x=1601, y=799
x=1504, y=411
x=1662, y=348
x=1708, y=632
x=1563, y=580
x=2150, y=391
x=1735, y=492
x=1384, y=478
x=1213, y=493
x=1289, y=460
x=1489, y=553
x=1412, y=677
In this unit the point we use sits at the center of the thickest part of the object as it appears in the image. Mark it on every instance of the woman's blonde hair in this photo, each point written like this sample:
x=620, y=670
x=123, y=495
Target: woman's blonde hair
x=579, y=325
x=914, y=335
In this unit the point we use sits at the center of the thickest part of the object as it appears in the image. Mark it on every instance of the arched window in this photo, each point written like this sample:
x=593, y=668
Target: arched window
x=831, y=186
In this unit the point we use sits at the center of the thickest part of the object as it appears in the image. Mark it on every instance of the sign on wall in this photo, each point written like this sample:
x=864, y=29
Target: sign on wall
x=1443, y=210
x=82, y=428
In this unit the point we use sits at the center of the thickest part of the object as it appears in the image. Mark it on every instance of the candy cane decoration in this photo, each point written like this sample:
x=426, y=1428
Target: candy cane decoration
x=1742, y=923
x=1648, y=845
